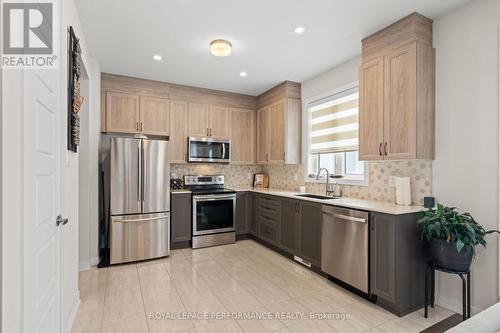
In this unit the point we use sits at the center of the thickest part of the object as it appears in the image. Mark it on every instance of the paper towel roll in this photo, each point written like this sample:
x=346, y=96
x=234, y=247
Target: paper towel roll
x=403, y=191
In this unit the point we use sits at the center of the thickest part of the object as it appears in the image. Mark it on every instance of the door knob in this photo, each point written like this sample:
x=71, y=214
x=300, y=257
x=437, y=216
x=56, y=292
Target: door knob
x=60, y=220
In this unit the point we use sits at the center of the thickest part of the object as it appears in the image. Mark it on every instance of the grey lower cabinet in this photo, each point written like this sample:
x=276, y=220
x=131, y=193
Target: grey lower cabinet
x=397, y=262
x=289, y=225
x=269, y=218
x=309, y=231
x=242, y=205
x=252, y=216
x=180, y=220
x=383, y=256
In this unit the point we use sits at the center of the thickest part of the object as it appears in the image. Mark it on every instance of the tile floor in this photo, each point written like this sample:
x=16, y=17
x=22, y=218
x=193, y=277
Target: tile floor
x=243, y=277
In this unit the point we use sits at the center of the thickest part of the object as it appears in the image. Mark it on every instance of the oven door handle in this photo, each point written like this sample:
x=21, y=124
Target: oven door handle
x=213, y=197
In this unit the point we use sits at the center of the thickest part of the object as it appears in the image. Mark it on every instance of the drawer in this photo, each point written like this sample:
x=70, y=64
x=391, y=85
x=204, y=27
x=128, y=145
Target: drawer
x=268, y=220
x=269, y=202
x=268, y=233
x=139, y=237
x=269, y=212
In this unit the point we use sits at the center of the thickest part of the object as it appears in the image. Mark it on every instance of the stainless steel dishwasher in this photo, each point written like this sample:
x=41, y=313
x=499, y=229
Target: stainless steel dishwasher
x=344, y=249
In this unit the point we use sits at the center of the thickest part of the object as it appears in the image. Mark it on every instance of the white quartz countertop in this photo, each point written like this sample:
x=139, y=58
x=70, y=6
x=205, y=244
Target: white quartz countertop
x=368, y=205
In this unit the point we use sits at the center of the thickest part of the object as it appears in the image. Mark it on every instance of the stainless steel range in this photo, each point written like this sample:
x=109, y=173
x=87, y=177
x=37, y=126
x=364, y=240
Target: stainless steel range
x=213, y=211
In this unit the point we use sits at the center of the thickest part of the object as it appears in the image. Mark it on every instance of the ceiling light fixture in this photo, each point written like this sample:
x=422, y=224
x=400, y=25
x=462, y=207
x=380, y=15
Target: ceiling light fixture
x=157, y=57
x=220, y=48
x=299, y=30
x=243, y=74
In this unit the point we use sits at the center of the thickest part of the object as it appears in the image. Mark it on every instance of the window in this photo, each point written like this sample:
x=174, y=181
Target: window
x=332, y=138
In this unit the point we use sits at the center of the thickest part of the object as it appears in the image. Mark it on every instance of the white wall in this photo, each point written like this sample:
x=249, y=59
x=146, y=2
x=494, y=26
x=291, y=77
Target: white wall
x=83, y=179
x=332, y=79
x=88, y=169
x=71, y=238
x=465, y=172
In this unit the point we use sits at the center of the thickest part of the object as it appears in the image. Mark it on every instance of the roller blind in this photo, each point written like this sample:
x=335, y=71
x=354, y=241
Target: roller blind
x=334, y=125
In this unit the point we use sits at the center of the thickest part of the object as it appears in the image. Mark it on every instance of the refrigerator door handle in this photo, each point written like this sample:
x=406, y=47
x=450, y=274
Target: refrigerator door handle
x=141, y=220
x=139, y=178
x=143, y=172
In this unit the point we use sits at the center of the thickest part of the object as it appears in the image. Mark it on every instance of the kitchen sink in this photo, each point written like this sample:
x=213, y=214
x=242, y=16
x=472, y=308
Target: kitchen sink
x=315, y=196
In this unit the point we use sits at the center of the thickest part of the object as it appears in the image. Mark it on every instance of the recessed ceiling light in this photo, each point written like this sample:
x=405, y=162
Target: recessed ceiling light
x=299, y=30
x=243, y=74
x=157, y=57
x=220, y=48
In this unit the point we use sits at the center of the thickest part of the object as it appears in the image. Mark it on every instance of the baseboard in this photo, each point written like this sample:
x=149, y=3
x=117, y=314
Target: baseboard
x=94, y=261
x=455, y=305
x=72, y=316
x=83, y=266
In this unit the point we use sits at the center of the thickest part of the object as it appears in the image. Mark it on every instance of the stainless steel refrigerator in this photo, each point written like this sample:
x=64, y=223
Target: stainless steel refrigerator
x=139, y=199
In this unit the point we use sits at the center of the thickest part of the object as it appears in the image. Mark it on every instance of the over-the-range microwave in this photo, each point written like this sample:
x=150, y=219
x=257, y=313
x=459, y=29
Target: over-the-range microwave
x=211, y=150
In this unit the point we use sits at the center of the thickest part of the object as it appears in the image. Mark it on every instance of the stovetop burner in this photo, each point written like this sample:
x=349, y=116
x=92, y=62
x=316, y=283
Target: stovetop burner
x=212, y=191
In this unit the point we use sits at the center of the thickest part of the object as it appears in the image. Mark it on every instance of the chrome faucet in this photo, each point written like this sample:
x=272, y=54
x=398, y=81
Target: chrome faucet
x=331, y=191
x=327, y=185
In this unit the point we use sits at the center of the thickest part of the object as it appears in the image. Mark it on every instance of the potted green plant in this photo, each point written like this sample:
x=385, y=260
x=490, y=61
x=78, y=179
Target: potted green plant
x=452, y=237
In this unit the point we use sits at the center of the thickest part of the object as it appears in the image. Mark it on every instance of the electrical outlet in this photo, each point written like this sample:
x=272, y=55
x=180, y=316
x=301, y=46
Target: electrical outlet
x=392, y=181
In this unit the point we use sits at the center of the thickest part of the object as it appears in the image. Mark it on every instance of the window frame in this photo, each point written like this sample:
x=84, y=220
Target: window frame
x=306, y=138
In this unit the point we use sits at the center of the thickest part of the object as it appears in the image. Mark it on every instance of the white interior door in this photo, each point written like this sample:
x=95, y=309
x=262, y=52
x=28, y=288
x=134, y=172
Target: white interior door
x=42, y=197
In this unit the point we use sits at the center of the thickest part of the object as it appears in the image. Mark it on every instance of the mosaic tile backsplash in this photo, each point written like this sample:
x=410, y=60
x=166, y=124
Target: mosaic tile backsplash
x=235, y=176
x=291, y=177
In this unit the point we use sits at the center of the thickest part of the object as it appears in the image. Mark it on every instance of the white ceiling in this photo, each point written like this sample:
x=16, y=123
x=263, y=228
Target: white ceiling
x=123, y=35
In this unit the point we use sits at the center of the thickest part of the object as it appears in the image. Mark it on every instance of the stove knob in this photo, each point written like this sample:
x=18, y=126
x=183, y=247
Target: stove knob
x=190, y=179
x=219, y=179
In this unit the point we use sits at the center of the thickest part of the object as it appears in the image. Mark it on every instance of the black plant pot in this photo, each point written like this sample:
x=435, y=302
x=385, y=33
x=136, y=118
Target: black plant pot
x=445, y=255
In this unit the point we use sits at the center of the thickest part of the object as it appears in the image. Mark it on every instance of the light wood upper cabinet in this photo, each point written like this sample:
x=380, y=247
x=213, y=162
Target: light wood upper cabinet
x=219, y=122
x=154, y=115
x=263, y=135
x=400, y=104
x=178, y=131
x=279, y=121
x=270, y=135
x=129, y=113
x=277, y=133
x=122, y=114
x=198, y=119
x=397, y=92
x=242, y=134
x=371, y=97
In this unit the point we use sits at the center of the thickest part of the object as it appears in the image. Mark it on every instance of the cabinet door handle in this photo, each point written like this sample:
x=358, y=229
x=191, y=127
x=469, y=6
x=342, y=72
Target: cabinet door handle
x=210, y=131
x=137, y=126
x=380, y=149
x=283, y=156
x=141, y=126
x=385, y=149
x=207, y=131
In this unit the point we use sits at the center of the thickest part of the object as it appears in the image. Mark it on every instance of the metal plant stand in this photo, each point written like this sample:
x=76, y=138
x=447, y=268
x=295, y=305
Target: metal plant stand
x=430, y=275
